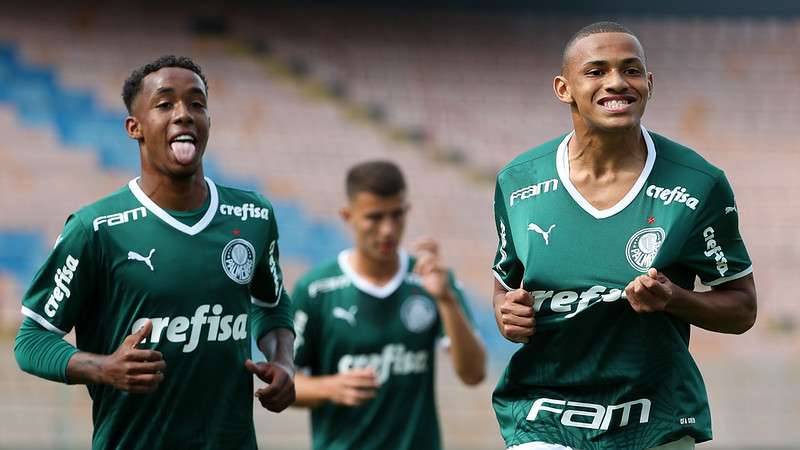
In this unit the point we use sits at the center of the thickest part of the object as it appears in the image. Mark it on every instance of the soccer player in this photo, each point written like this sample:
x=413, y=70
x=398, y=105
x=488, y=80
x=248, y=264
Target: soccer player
x=157, y=280
x=367, y=325
x=602, y=232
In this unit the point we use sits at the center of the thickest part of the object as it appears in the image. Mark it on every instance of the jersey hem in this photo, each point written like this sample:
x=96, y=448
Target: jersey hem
x=41, y=321
x=719, y=281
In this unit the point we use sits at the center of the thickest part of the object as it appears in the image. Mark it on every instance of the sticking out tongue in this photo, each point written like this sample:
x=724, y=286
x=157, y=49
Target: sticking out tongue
x=183, y=151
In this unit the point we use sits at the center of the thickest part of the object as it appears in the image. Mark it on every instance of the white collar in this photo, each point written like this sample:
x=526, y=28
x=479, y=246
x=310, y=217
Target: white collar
x=562, y=166
x=137, y=191
x=368, y=287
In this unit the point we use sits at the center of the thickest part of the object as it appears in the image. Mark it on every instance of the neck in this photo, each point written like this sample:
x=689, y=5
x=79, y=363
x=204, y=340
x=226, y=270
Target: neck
x=376, y=271
x=599, y=152
x=178, y=194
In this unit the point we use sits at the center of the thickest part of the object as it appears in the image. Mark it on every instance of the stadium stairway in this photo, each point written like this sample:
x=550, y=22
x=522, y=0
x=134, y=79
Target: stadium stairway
x=79, y=122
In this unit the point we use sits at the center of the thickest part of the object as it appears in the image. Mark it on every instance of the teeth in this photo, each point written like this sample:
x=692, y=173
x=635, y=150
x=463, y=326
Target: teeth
x=184, y=137
x=616, y=104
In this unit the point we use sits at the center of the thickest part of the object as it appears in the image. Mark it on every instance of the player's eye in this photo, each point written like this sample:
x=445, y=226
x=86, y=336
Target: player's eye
x=164, y=105
x=633, y=71
x=198, y=104
x=594, y=72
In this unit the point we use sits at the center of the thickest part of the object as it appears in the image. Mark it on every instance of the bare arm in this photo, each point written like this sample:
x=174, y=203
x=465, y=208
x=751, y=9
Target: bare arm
x=466, y=349
x=278, y=373
x=728, y=308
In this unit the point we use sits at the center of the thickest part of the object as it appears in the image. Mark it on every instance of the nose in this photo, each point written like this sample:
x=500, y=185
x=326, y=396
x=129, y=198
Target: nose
x=181, y=114
x=615, y=82
x=388, y=227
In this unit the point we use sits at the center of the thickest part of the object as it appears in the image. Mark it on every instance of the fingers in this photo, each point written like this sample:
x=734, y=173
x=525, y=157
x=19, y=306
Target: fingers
x=136, y=338
x=280, y=393
x=146, y=367
x=365, y=380
x=520, y=296
x=356, y=397
x=143, y=355
x=520, y=335
x=425, y=245
x=516, y=309
x=254, y=368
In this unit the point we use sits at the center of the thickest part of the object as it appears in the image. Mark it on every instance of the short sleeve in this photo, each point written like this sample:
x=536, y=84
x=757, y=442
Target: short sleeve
x=305, y=328
x=271, y=304
x=508, y=270
x=65, y=282
x=715, y=249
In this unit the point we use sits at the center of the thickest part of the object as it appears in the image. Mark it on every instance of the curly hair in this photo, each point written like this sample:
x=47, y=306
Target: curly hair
x=133, y=85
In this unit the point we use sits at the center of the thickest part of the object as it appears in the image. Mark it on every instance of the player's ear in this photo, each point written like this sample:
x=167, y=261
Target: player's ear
x=133, y=128
x=345, y=213
x=561, y=89
x=649, y=84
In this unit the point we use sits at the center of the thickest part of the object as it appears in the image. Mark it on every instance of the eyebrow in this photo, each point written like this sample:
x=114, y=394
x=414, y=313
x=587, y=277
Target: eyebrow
x=169, y=90
x=601, y=62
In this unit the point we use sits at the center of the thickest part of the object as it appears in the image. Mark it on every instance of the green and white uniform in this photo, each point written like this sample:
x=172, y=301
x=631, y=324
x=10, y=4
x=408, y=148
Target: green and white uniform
x=344, y=322
x=597, y=375
x=208, y=279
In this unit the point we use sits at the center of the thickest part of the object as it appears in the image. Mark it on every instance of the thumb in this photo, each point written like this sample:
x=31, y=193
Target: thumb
x=141, y=334
x=652, y=273
x=252, y=367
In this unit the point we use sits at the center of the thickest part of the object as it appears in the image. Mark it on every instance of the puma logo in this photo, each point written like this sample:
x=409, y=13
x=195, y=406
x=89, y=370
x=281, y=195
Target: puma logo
x=137, y=257
x=348, y=315
x=730, y=209
x=545, y=234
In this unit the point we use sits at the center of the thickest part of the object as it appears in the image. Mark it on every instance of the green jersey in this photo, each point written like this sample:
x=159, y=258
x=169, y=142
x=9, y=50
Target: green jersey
x=344, y=322
x=597, y=375
x=208, y=280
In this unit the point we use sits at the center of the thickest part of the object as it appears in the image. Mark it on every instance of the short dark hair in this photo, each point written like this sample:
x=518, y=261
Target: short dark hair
x=133, y=85
x=379, y=177
x=594, y=28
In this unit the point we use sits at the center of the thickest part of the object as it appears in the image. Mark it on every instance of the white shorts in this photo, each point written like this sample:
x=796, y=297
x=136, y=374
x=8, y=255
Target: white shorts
x=686, y=443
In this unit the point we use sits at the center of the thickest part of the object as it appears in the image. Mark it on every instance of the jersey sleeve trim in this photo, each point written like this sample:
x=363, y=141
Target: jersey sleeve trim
x=500, y=280
x=41, y=321
x=264, y=304
x=719, y=281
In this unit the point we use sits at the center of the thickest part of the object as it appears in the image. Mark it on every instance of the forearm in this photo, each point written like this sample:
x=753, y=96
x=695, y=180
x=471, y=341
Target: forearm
x=42, y=353
x=278, y=347
x=311, y=391
x=466, y=350
x=731, y=309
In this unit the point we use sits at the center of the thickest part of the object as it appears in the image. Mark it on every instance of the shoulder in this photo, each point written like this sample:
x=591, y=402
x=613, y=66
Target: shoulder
x=233, y=200
x=682, y=158
x=119, y=206
x=322, y=279
x=541, y=154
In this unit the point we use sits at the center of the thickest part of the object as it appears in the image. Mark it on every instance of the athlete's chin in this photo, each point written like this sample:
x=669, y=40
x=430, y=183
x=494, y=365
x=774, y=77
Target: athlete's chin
x=620, y=124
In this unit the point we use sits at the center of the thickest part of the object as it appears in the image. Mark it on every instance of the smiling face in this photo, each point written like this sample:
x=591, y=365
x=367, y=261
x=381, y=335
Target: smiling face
x=606, y=82
x=170, y=120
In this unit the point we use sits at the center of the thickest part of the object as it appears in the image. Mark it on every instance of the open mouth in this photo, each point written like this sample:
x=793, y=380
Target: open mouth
x=183, y=148
x=616, y=104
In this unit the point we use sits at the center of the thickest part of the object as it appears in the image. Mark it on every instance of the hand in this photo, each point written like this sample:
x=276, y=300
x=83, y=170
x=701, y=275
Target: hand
x=430, y=269
x=131, y=369
x=279, y=392
x=515, y=316
x=650, y=292
x=352, y=388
